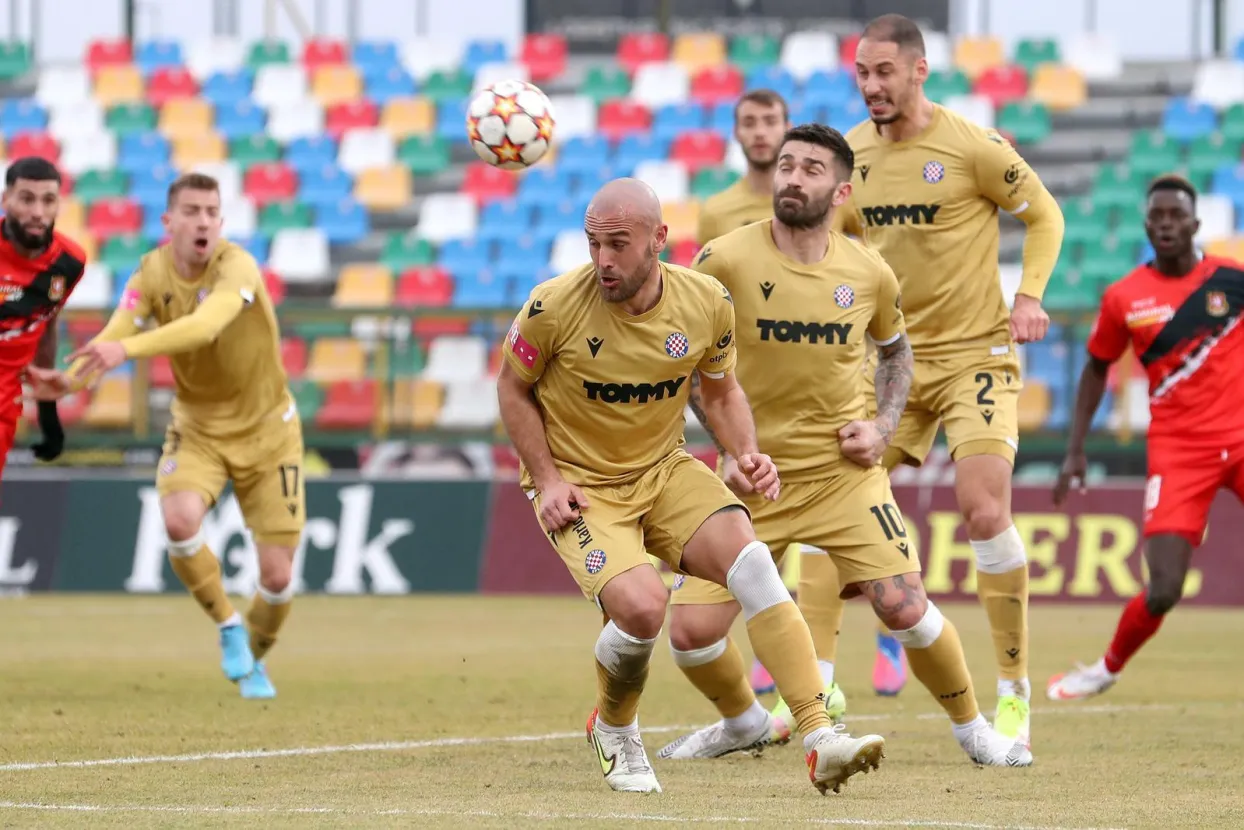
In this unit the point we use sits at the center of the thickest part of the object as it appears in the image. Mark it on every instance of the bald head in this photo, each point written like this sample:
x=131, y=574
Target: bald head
x=626, y=200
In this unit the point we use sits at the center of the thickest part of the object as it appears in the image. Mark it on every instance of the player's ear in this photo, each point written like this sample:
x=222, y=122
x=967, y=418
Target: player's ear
x=921, y=69
x=841, y=193
x=659, y=237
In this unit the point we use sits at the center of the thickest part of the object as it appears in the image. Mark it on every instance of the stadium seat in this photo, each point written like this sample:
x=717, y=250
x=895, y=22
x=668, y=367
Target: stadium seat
x=300, y=255
x=575, y=116
x=375, y=57
x=490, y=73
x=939, y=51
x=241, y=218
x=15, y=60
x=349, y=404
x=1217, y=215
x=603, y=83
x=406, y=250
x=672, y=120
x=638, y=48
x=486, y=183
x=391, y=84
x=1001, y=84
x=828, y=89
x=1058, y=87
x=365, y=149
x=479, y=52
x=319, y=52
x=804, y=53
x=222, y=89
x=22, y=115
x=699, y=149
x=944, y=85
x=108, y=52
x=470, y=405
x=753, y=51
x=1027, y=122
x=240, y=119
x=279, y=83
x=363, y=286
x=619, y=118
x=270, y=182
x=34, y=144
x=1096, y=56
x=134, y=117
x=1034, y=52
x=404, y=117
x=291, y=121
x=1218, y=84
x=112, y=217
x=682, y=219
x=186, y=117
x=569, y=251
x=544, y=55
x=847, y=47
x=974, y=55
x=61, y=85
x=424, y=155
x=384, y=188
x=94, y=290
x=717, y=84
x=445, y=216
x=336, y=358
x=712, y=180
x=343, y=222
x=1153, y=154
x=424, y=286
x=215, y=55
x=193, y=150
x=100, y=184
x=1034, y=405
x=453, y=359
x=85, y=118
x=111, y=403
x=334, y=84
x=451, y=120
x=169, y=84
x=117, y=85
x=424, y=56
x=155, y=55
x=698, y=51
x=1229, y=248
x=1185, y=120
x=72, y=221
x=975, y=108
x=657, y=84
x=1208, y=153
x=311, y=152
x=416, y=403
x=294, y=356
x=88, y=152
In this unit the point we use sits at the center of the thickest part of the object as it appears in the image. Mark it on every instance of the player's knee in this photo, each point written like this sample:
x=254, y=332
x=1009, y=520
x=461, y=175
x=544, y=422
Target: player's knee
x=183, y=532
x=637, y=606
x=986, y=516
x=276, y=566
x=900, y=603
x=1164, y=593
x=693, y=628
x=923, y=631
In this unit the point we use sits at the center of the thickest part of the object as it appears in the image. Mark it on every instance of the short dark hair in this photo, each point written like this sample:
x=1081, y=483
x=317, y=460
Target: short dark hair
x=31, y=168
x=896, y=29
x=765, y=98
x=1174, y=182
x=191, y=181
x=827, y=137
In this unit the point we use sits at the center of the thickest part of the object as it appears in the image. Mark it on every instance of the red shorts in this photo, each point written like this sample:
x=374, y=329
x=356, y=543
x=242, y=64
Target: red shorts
x=1184, y=478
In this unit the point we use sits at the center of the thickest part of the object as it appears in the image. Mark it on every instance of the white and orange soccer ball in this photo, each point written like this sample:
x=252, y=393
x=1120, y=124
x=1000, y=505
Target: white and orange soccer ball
x=510, y=124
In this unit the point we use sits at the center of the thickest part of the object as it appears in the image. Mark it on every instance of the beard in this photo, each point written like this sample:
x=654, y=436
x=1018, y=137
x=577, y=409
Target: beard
x=628, y=286
x=756, y=162
x=808, y=214
x=25, y=239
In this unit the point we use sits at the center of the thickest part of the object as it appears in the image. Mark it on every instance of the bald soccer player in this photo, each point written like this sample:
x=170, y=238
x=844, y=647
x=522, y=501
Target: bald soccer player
x=928, y=186
x=805, y=298
x=202, y=301
x=592, y=392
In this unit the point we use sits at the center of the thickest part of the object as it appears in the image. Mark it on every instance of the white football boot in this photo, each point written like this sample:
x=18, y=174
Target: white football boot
x=717, y=740
x=990, y=748
x=1081, y=682
x=833, y=756
x=622, y=758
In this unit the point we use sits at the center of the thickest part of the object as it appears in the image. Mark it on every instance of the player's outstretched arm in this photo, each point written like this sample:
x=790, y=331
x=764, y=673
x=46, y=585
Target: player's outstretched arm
x=194, y=331
x=1088, y=398
x=560, y=502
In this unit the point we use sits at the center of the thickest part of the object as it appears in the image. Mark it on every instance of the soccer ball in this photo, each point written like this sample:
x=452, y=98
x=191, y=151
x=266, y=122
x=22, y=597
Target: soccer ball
x=510, y=124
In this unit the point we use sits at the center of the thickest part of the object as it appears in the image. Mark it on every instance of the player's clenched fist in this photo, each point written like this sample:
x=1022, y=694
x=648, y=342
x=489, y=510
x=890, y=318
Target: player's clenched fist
x=761, y=473
x=735, y=478
x=862, y=442
x=1029, y=322
x=561, y=504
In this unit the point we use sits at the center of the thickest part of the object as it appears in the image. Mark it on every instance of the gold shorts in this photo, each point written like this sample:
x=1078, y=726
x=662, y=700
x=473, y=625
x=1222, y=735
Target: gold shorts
x=976, y=397
x=265, y=468
x=658, y=513
x=851, y=516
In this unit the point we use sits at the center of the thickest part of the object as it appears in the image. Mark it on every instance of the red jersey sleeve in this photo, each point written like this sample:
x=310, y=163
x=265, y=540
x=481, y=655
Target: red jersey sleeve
x=1109, y=338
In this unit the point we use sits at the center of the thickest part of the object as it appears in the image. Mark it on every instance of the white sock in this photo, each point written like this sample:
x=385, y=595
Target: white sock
x=1099, y=668
x=827, y=671
x=748, y=722
x=630, y=728
x=236, y=619
x=1021, y=689
x=963, y=731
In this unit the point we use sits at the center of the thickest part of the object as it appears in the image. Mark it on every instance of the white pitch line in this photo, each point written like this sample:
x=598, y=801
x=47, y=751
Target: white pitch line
x=543, y=815
x=401, y=746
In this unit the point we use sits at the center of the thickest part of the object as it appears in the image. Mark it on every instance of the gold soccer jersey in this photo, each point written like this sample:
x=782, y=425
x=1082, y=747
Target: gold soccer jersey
x=220, y=332
x=929, y=206
x=732, y=208
x=800, y=330
x=613, y=387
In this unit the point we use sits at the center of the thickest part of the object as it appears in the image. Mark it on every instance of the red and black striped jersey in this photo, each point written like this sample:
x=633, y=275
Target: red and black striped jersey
x=1186, y=333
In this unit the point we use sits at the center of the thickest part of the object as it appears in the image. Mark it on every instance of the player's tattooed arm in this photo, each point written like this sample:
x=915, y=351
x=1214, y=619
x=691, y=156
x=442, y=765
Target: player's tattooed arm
x=696, y=402
x=892, y=383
